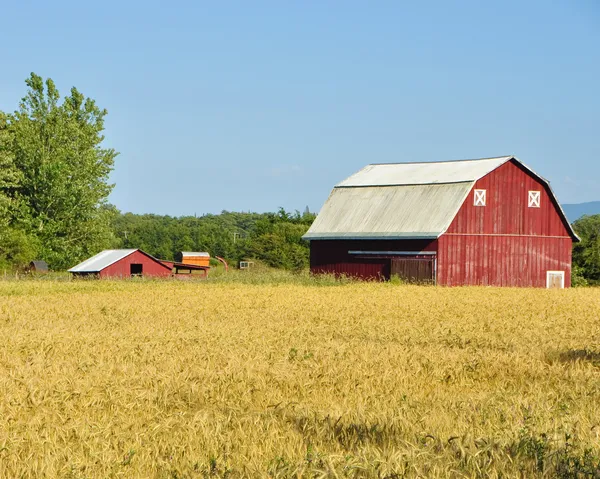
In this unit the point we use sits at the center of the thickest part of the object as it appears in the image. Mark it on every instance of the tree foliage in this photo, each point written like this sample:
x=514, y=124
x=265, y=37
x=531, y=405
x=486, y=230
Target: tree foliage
x=586, y=254
x=9, y=175
x=274, y=238
x=15, y=246
x=62, y=169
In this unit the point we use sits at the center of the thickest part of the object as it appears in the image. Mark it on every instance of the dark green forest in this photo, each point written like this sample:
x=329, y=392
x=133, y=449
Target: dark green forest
x=273, y=238
x=54, y=188
x=586, y=254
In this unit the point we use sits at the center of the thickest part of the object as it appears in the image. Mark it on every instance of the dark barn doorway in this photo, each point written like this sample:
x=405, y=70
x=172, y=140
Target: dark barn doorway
x=135, y=269
x=414, y=270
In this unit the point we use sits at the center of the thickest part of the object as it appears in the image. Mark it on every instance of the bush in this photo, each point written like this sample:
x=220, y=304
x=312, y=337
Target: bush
x=17, y=249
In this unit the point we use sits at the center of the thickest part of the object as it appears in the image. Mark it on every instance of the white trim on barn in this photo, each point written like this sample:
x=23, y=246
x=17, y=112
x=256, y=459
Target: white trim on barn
x=550, y=274
x=479, y=197
x=533, y=199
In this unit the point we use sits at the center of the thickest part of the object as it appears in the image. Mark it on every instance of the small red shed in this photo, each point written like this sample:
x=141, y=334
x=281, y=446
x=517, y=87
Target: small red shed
x=121, y=263
x=492, y=221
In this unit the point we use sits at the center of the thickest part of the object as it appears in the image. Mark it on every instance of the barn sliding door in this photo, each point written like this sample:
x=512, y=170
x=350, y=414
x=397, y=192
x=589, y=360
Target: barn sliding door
x=414, y=270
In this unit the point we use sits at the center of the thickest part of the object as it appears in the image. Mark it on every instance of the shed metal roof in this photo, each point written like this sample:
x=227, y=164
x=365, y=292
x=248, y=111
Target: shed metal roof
x=39, y=265
x=101, y=260
x=195, y=253
x=405, y=200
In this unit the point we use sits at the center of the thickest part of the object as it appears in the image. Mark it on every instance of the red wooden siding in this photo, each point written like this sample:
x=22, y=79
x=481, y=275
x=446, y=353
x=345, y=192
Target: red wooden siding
x=506, y=210
x=121, y=269
x=505, y=242
x=501, y=260
x=331, y=256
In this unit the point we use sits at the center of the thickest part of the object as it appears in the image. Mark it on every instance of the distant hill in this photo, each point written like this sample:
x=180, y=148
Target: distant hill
x=576, y=211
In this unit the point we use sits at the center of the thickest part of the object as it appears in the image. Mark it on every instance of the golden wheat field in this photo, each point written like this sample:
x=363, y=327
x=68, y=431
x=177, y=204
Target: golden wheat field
x=186, y=380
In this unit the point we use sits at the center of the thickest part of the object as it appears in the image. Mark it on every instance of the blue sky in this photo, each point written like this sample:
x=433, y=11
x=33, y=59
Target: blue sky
x=249, y=106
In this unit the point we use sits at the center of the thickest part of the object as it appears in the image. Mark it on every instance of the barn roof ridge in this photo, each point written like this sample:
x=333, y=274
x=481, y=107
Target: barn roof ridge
x=423, y=173
x=393, y=185
x=442, y=161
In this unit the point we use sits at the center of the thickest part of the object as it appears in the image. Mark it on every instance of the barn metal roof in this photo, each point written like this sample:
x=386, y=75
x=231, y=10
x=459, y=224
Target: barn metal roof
x=396, y=174
x=405, y=200
x=101, y=260
x=415, y=211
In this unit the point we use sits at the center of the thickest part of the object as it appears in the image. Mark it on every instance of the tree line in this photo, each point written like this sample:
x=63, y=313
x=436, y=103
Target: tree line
x=54, y=187
x=273, y=238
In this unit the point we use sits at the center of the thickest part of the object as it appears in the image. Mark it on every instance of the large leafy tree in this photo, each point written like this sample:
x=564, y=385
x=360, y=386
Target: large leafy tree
x=586, y=254
x=57, y=148
x=16, y=247
x=9, y=175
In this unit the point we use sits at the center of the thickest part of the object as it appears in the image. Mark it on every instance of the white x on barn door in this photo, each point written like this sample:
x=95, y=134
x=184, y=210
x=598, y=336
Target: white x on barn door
x=534, y=199
x=479, y=198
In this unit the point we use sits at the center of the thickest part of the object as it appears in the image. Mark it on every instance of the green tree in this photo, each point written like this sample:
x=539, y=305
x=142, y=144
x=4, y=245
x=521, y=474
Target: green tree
x=9, y=175
x=586, y=254
x=274, y=238
x=16, y=248
x=64, y=172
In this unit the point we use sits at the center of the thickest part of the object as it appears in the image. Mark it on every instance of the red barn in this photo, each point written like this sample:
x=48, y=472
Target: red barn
x=491, y=221
x=121, y=263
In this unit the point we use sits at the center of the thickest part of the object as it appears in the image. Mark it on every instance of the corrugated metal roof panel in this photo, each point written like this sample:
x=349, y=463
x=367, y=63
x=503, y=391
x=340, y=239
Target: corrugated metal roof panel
x=194, y=253
x=423, y=173
x=39, y=265
x=417, y=211
x=101, y=260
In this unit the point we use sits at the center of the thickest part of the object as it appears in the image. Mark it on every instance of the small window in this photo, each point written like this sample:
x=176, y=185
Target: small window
x=534, y=199
x=135, y=269
x=479, y=199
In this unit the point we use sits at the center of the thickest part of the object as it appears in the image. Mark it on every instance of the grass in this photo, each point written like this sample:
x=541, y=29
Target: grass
x=280, y=378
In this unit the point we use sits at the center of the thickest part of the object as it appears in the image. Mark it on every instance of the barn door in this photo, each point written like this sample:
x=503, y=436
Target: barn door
x=135, y=269
x=414, y=270
x=555, y=279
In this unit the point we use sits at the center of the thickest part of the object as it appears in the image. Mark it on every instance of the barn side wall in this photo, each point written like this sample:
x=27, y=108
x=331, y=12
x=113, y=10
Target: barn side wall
x=506, y=210
x=332, y=257
x=505, y=242
x=121, y=269
x=501, y=260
